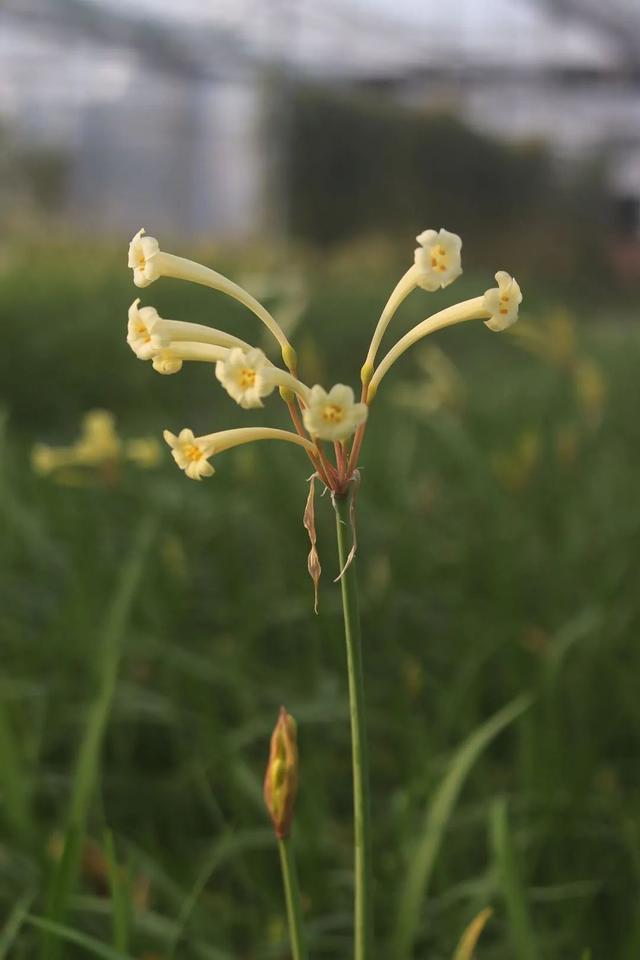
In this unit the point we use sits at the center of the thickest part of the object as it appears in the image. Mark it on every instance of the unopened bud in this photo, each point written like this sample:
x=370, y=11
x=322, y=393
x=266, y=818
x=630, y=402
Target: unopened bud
x=366, y=373
x=287, y=395
x=281, y=778
x=290, y=357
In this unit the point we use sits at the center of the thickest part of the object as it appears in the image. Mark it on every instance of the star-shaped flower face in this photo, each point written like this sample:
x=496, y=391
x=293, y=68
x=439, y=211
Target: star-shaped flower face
x=142, y=251
x=437, y=259
x=240, y=375
x=333, y=415
x=502, y=302
x=190, y=453
x=140, y=336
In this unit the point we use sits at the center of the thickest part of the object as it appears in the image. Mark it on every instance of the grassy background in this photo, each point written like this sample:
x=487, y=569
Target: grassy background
x=498, y=554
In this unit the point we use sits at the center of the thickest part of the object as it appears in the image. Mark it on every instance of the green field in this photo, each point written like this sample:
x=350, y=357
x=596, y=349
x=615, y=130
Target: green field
x=498, y=555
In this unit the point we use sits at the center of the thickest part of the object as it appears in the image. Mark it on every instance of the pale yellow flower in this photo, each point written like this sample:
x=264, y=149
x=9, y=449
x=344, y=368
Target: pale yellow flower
x=149, y=262
x=192, y=453
x=145, y=452
x=140, y=331
x=437, y=259
x=240, y=375
x=333, y=415
x=46, y=459
x=148, y=332
x=143, y=259
x=502, y=302
x=98, y=441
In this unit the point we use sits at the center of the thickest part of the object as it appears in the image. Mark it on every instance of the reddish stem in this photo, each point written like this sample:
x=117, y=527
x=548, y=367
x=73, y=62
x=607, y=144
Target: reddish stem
x=317, y=463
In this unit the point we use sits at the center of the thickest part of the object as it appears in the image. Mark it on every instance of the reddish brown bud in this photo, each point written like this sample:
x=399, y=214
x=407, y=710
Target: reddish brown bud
x=281, y=778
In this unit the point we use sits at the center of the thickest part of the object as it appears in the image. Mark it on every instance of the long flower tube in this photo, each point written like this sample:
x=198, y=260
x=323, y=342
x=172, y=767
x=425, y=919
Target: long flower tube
x=474, y=309
x=147, y=332
x=192, y=453
x=436, y=265
x=149, y=262
x=403, y=288
x=280, y=378
x=190, y=350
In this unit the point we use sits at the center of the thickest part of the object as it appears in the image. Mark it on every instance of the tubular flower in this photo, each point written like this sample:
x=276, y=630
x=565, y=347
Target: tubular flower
x=192, y=453
x=437, y=259
x=140, y=331
x=333, y=415
x=149, y=262
x=240, y=373
x=502, y=302
x=143, y=259
x=148, y=332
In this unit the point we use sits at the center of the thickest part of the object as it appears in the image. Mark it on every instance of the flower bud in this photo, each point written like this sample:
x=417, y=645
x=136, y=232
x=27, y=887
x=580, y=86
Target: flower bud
x=281, y=778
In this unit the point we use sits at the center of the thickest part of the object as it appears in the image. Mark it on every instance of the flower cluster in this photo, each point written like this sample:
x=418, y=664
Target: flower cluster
x=98, y=447
x=249, y=376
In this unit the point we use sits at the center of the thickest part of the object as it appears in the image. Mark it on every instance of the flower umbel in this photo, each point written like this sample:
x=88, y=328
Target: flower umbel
x=502, y=302
x=249, y=376
x=333, y=415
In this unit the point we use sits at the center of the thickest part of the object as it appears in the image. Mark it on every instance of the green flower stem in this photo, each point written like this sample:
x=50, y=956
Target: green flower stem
x=349, y=584
x=292, y=896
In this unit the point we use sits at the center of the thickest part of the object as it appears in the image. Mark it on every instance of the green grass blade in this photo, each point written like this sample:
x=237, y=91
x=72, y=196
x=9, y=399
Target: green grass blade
x=87, y=766
x=437, y=816
x=120, y=886
x=223, y=849
x=13, y=784
x=513, y=891
x=13, y=923
x=61, y=932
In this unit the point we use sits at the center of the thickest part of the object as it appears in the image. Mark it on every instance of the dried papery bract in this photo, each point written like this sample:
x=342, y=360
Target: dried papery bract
x=309, y=523
x=281, y=777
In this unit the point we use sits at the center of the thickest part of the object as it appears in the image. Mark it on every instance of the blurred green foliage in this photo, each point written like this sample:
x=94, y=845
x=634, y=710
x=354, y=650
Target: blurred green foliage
x=490, y=565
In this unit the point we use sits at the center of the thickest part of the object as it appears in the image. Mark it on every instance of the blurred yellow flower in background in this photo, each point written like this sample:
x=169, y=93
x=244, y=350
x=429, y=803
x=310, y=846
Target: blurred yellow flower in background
x=98, y=448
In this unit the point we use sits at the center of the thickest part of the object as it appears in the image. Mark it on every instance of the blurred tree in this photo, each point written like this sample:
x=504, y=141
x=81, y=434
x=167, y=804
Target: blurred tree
x=360, y=166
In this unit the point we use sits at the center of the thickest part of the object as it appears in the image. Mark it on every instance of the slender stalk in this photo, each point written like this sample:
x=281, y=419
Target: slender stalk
x=292, y=896
x=329, y=469
x=297, y=422
x=357, y=445
x=362, y=867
